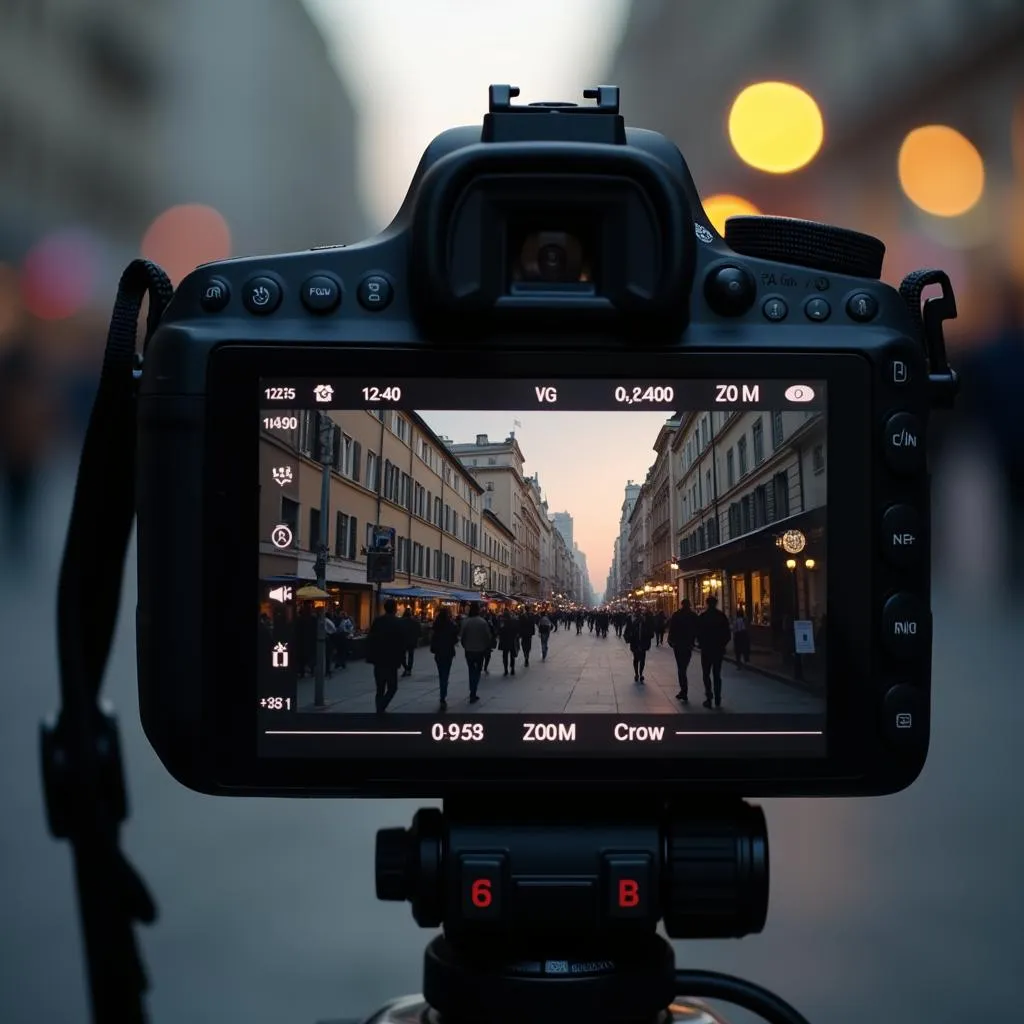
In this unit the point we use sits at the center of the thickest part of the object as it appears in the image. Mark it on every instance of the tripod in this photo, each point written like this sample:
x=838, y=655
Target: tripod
x=551, y=912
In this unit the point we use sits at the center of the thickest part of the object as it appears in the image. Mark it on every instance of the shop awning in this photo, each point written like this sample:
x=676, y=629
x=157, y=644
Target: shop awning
x=467, y=595
x=421, y=592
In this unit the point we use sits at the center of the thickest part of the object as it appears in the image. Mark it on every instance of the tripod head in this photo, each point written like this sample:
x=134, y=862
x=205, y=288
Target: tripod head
x=552, y=910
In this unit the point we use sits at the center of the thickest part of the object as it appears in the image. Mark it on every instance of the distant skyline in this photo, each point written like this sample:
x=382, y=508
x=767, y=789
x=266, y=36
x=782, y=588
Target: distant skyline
x=583, y=461
x=417, y=67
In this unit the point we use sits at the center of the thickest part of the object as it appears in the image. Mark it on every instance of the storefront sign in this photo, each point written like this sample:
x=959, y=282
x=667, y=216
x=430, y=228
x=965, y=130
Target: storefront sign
x=803, y=635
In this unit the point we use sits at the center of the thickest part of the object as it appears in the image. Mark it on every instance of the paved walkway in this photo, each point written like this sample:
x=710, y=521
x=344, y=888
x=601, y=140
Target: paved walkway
x=583, y=674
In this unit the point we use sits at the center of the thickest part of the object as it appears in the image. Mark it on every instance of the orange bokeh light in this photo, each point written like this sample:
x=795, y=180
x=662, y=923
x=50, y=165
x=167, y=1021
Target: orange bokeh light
x=722, y=206
x=184, y=236
x=941, y=171
x=776, y=127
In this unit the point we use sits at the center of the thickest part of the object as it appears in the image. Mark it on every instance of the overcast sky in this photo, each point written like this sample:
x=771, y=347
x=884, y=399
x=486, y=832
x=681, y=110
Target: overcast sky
x=416, y=67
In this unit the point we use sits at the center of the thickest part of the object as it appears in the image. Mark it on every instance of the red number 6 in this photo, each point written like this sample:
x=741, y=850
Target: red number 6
x=480, y=893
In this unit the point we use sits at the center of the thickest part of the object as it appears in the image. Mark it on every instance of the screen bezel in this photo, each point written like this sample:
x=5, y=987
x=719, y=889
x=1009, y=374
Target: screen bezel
x=230, y=558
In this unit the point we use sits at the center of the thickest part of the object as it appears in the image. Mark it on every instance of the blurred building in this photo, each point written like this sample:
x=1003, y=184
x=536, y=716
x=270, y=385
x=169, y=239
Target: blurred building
x=877, y=71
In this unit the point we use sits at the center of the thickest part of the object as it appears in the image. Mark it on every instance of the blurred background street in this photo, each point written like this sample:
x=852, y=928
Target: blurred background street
x=191, y=130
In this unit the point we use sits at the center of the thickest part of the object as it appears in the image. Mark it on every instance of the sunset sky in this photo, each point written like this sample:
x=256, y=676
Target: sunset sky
x=583, y=459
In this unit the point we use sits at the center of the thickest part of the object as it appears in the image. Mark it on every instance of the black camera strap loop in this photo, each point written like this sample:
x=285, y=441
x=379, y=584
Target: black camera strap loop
x=942, y=379
x=83, y=778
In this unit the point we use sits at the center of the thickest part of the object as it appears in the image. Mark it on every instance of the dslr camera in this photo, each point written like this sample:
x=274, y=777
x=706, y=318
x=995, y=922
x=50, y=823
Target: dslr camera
x=550, y=355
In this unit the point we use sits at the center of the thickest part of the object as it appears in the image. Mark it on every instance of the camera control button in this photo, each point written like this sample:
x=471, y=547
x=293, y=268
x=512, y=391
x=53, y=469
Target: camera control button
x=775, y=310
x=481, y=881
x=261, y=295
x=862, y=307
x=905, y=717
x=817, y=309
x=906, y=626
x=375, y=293
x=628, y=886
x=902, y=536
x=730, y=291
x=903, y=443
x=321, y=294
x=216, y=295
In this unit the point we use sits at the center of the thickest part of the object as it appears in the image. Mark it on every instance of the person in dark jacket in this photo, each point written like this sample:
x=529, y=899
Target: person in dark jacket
x=638, y=634
x=385, y=651
x=411, y=634
x=682, y=632
x=508, y=642
x=713, y=635
x=660, y=622
x=443, y=639
x=527, y=630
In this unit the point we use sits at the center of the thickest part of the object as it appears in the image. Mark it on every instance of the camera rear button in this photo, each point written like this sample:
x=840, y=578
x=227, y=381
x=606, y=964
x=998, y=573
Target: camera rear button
x=775, y=310
x=903, y=443
x=321, y=294
x=905, y=717
x=817, y=309
x=216, y=295
x=375, y=293
x=261, y=295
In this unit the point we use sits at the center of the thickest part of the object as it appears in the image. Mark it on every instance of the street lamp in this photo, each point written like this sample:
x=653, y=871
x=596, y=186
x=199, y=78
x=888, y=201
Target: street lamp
x=675, y=565
x=798, y=668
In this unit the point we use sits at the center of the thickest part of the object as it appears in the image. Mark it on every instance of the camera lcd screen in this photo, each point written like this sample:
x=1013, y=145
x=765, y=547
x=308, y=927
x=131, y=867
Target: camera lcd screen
x=542, y=568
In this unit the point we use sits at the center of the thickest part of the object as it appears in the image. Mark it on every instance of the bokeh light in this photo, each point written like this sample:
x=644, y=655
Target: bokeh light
x=941, y=171
x=60, y=274
x=776, y=127
x=722, y=206
x=184, y=236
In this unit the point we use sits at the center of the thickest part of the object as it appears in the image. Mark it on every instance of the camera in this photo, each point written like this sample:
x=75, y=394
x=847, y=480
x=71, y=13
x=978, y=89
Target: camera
x=741, y=421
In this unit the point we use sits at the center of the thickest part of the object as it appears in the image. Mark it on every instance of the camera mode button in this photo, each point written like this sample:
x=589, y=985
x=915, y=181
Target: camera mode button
x=261, y=295
x=216, y=295
x=903, y=443
x=902, y=536
x=905, y=717
x=481, y=880
x=628, y=884
x=375, y=293
x=730, y=291
x=906, y=626
x=321, y=294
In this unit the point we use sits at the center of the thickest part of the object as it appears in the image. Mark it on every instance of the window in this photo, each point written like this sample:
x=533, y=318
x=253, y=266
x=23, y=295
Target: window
x=741, y=449
x=400, y=426
x=402, y=554
x=760, y=506
x=438, y=512
x=707, y=488
x=417, y=559
x=290, y=516
x=405, y=494
x=780, y=484
x=307, y=432
x=438, y=567
x=448, y=518
x=776, y=430
x=758, y=436
x=373, y=471
x=735, y=523
x=488, y=501
x=745, y=517
x=369, y=536
x=705, y=436
x=426, y=562
x=345, y=536
x=314, y=529
x=760, y=610
x=491, y=461
x=818, y=459
x=730, y=468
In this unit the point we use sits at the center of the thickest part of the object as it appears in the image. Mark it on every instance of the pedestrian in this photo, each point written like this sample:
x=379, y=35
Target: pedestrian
x=527, y=630
x=508, y=642
x=713, y=634
x=330, y=630
x=411, y=635
x=660, y=622
x=682, y=632
x=489, y=619
x=544, y=629
x=476, y=639
x=638, y=634
x=343, y=638
x=443, y=639
x=385, y=651
x=740, y=637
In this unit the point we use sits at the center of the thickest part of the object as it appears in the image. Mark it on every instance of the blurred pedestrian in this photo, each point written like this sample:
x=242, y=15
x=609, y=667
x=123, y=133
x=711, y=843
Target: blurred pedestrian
x=544, y=629
x=508, y=642
x=639, y=633
x=476, y=638
x=713, y=635
x=411, y=638
x=443, y=639
x=527, y=631
x=682, y=632
x=740, y=637
x=385, y=649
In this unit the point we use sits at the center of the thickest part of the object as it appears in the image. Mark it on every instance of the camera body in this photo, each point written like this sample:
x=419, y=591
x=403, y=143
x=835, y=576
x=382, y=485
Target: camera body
x=551, y=256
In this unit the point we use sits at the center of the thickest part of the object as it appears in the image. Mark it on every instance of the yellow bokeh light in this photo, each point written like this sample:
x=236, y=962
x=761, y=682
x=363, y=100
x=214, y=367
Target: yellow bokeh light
x=941, y=171
x=722, y=206
x=776, y=127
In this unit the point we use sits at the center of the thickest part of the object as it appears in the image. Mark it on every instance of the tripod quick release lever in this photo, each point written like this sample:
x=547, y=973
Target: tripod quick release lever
x=703, y=870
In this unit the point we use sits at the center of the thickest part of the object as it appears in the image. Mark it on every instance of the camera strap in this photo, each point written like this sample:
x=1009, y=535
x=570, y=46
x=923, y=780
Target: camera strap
x=83, y=777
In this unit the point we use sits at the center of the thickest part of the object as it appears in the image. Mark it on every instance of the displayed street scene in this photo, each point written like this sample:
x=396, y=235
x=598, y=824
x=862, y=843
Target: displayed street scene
x=545, y=561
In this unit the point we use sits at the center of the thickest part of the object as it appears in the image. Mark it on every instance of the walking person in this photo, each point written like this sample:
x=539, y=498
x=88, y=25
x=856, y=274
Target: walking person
x=411, y=634
x=682, y=632
x=385, y=650
x=660, y=622
x=489, y=619
x=638, y=634
x=476, y=638
x=343, y=638
x=508, y=642
x=544, y=630
x=527, y=631
x=740, y=638
x=443, y=639
x=713, y=635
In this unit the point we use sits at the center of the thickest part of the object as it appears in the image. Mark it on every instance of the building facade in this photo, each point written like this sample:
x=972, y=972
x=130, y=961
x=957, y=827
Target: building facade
x=386, y=468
